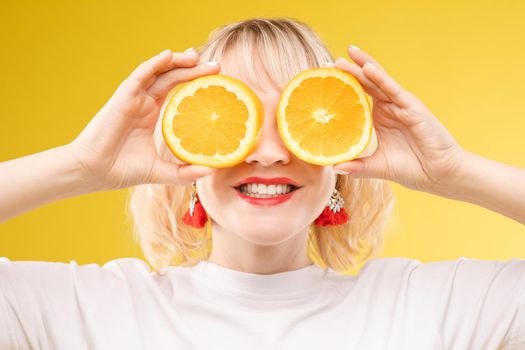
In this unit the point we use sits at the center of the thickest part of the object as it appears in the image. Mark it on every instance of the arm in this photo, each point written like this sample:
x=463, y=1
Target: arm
x=37, y=179
x=495, y=186
x=418, y=152
x=114, y=150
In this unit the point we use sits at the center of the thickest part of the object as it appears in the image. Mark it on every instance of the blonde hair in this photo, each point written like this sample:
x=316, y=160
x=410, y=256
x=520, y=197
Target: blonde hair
x=285, y=47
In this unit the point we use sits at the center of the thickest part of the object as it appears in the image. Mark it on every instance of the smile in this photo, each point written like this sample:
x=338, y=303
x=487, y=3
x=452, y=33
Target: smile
x=266, y=195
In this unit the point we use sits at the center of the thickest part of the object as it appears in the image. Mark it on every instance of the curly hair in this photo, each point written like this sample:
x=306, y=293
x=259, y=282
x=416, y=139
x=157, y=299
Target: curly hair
x=285, y=47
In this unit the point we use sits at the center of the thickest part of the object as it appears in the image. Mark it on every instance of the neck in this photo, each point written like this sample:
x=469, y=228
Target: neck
x=234, y=252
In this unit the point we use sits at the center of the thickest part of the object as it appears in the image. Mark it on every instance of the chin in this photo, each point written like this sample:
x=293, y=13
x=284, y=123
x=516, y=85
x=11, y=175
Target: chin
x=265, y=240
x=269, y=236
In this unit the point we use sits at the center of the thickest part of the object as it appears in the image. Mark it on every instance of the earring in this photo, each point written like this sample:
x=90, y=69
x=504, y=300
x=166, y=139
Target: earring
x=195, y=215
x=333, y=213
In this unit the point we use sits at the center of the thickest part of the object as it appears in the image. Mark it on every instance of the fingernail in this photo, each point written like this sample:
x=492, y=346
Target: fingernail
x=327, y=64
x=340, y=59
x=165, y=52
x=354, y=48
x=191, y=51
x=212, y=63
x=341, y=172
x=370, y=65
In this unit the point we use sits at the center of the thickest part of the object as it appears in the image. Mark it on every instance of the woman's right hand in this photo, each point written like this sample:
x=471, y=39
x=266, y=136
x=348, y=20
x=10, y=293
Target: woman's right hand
x=116, y=149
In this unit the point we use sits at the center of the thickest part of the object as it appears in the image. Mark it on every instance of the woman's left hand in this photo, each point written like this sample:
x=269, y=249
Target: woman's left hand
x=414, y=148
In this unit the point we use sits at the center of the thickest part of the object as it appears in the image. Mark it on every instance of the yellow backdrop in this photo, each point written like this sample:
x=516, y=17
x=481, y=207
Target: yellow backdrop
x=61, y=61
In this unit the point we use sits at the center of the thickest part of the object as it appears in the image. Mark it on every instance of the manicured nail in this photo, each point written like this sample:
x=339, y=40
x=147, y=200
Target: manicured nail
x=327, y=64
x=353, y=47
x=340, y=59
x=341, y=172
x=191, y=51
x=370, y=65
x=212, y=63
x=165, y=52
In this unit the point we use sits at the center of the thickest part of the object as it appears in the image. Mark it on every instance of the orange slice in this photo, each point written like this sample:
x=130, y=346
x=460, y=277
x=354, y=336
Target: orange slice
x=324, y=117
x=214, y=120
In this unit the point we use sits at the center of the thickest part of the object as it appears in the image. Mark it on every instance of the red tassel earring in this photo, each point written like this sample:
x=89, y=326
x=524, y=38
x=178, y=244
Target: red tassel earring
x=333, y=213
x=195, y=216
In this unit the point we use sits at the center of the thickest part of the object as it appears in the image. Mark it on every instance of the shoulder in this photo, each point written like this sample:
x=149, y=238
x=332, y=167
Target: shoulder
x=388, y=270
x=60, y=273
x=434, y=279
x=463, y=267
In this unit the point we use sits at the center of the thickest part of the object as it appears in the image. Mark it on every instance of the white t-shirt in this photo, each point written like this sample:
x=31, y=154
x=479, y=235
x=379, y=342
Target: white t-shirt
x=393, y=303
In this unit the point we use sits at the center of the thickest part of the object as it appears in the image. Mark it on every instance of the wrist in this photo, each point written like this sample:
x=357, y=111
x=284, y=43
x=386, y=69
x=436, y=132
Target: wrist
x=75, y=178
x=37, y=179
x=461, y=183
x=490, y=184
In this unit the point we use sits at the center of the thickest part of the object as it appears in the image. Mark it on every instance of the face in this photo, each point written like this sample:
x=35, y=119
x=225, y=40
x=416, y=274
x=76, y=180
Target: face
x=264, y=223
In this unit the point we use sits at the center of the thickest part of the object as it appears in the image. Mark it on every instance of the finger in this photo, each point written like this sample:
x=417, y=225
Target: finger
x=148, y=70
x=169, y=80
x=370, y=87
x=388, y=85
x=361, y=57
x=184, y=59
x=165, y=172
x=369, y=167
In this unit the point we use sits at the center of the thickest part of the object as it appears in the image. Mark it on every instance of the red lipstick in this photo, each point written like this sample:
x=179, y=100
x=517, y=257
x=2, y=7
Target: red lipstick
x=266, y=201
x=267, y=181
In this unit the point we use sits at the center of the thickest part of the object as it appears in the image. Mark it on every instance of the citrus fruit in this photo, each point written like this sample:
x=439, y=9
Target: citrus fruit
x=324, y=117
x=214, y=120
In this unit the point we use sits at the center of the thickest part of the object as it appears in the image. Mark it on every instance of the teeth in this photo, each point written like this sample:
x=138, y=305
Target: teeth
x=261, y=190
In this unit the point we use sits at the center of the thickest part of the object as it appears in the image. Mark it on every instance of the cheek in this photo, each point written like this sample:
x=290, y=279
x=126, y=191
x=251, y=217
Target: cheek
x=323, y=190
x=221, y=202
x=214, y=196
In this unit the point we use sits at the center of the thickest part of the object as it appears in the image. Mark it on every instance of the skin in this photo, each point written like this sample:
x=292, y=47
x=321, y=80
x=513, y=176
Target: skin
x=408, y=132
x=263, y=239
x=115, y=150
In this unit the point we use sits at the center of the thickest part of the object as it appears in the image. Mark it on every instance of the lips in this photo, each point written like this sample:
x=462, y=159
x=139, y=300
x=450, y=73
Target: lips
x=270, y=201
x=268, y=181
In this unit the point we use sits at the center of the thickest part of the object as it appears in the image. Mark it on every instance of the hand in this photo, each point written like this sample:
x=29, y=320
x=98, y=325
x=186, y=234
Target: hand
x=116, y=148
x=414, y=148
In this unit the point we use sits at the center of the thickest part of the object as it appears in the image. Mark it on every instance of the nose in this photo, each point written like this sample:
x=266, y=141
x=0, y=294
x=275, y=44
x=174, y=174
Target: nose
x=270, y=149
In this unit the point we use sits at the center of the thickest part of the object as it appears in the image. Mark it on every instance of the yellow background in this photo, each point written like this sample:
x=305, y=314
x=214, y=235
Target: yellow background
x=61, y=61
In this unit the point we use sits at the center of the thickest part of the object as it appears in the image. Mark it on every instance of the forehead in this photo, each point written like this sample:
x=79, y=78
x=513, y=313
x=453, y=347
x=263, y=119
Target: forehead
x=250, y=70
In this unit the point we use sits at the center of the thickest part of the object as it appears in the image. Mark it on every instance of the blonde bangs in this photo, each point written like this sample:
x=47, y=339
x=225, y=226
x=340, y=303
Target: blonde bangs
x=283, y=47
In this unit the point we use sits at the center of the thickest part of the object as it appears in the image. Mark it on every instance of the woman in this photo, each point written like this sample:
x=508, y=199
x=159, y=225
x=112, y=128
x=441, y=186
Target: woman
x=273, y=279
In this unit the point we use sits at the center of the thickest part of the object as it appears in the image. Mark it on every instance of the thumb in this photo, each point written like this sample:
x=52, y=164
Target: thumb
x=368, y=167
x=166, y=172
